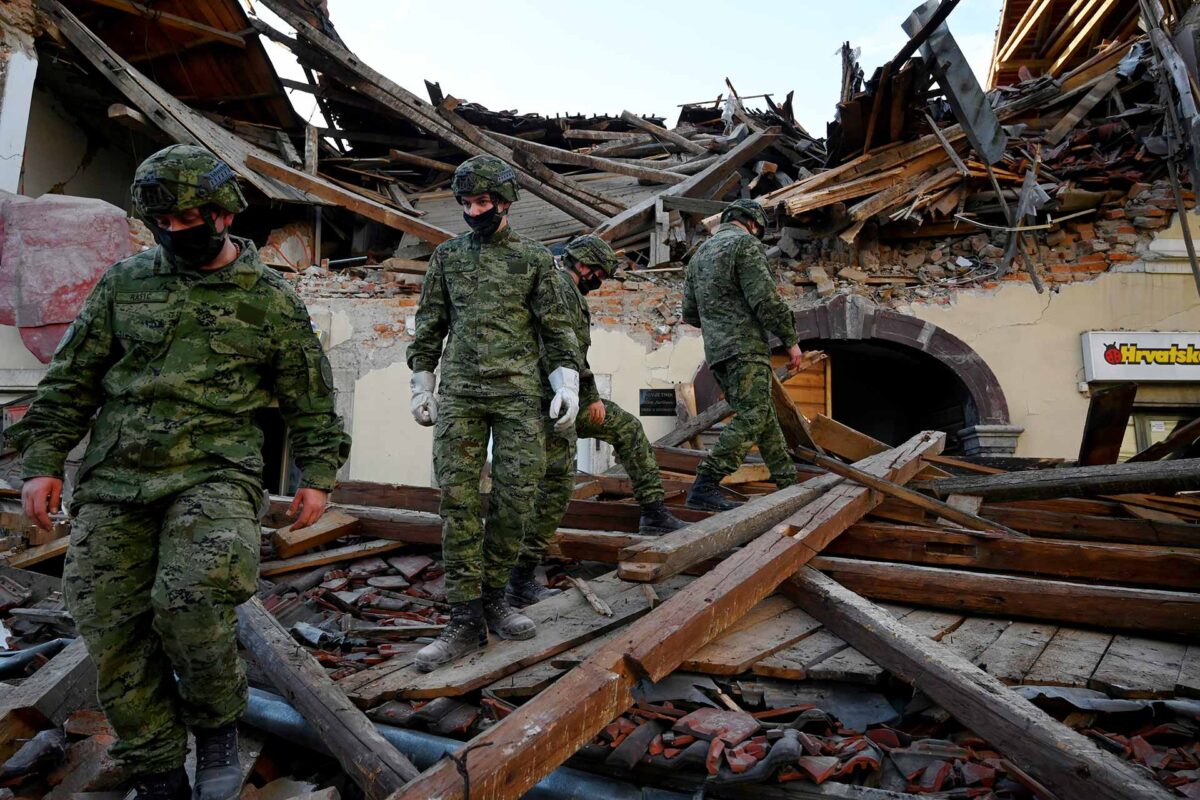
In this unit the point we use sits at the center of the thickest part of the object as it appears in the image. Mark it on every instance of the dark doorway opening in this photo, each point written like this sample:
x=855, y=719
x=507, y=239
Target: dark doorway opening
x=892, y=392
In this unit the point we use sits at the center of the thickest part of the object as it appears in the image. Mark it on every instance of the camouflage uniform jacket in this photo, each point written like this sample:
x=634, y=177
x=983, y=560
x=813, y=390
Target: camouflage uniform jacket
x=730, y=294
x=493, y=301
x=177, y=362
x=579, y=317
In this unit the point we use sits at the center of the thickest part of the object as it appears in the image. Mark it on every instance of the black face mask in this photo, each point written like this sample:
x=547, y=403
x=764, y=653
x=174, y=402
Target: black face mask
x=486, y=223
x=193, y=247
x=585, y=283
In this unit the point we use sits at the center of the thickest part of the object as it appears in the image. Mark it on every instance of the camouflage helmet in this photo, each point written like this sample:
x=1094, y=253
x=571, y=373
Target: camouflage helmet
x=745, y=210
x=480, y=174
x=593, y=251
x=184, y=176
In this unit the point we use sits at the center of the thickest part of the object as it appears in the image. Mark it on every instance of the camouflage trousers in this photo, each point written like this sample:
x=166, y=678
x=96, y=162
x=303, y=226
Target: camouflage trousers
x=747, y=387
x=620, y=429
x=479, y=555
x=153, y=589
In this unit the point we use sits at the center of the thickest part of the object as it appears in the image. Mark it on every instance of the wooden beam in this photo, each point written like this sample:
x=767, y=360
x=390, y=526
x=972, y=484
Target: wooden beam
x=944, y=510
x=675, y=552
x=349, y=200
x=333, y=524
x=46, y=698
x=376, y=766
x=659, y=132
x=1081, y=109
x=311, y=560
x=556, y=155
x=420, y=161
x=1102, y=606
x=1069, y=764
x=696, y=425
x=1144, y=565
x=1029, y=20
x=1081, y=37
x=174, y=21
x=1089, y=527
x=514, y=754
x=842, y=440
x=641, y=215
x=1165, y=477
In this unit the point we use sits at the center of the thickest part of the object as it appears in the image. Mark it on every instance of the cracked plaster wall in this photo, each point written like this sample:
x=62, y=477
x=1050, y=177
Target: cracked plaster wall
x=374, y=396
x=1032, y=343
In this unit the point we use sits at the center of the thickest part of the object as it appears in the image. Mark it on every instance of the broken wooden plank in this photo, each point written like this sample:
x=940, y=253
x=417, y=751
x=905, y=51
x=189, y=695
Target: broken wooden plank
x=176, y=21
x=63, y=685
x=794, y=662
x=1089, y=101
x=36, y=555
x=333, y=524
x=974, y=636
x=1104, y=427
x=696, y=425
x=563, y=621
x=842, y=440
x=1161, y=567
x=310, y=560
x=556, y=155
x=1139, y=668
x=660, y=132
x=1086, y=527
x=966, y=519
x=1114, y=607
x=1068, y=763
x=1165, y=477
x=376, y=766
x=1013, y=654
x=514, y=754
x=1069, y=658
x=352, y=201
x=772, y=625
x=674, y=552
x=641, y=216
x=1188, y=682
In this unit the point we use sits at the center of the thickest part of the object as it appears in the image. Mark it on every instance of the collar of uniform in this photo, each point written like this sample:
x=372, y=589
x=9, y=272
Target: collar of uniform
x=502, y=236
x=245, y=270
x=730, y=226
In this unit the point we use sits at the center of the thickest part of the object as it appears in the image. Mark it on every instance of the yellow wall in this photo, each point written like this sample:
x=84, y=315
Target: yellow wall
x=1031, y=342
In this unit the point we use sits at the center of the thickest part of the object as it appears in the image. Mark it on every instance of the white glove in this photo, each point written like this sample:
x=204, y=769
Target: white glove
x=424, y=404
x=565, y=383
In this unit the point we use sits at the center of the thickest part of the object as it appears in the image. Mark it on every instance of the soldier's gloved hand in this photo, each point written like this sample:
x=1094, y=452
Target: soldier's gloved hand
x=565, y=405
x=424, y=404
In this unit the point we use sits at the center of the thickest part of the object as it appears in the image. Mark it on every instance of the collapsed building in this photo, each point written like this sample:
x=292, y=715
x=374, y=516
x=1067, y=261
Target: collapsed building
x=1005, y=294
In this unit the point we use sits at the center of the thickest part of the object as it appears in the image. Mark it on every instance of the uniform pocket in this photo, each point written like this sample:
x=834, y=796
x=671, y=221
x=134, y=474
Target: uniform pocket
x=461, y=281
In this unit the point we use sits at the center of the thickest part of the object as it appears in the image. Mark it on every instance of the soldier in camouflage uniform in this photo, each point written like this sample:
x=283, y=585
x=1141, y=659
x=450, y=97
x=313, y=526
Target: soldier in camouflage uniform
x=177, y=347
x=490, y=294
x=585, y=263
x=730, y=295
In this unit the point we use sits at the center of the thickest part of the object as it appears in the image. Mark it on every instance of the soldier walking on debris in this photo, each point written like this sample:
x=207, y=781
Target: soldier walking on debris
x=490, y=293
x=176, y=346
x=585, y=263
x=730, y=295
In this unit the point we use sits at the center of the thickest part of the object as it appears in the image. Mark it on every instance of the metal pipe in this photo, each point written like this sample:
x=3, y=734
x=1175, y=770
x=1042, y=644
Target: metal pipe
x=273, y=714
x=14, y=662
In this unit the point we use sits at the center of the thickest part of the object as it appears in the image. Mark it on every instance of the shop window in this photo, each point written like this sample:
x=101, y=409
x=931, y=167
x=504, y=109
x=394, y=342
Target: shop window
x=1151, y=426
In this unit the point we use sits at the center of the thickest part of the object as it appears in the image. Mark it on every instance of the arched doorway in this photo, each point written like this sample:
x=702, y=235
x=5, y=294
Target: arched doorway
x=892, y=375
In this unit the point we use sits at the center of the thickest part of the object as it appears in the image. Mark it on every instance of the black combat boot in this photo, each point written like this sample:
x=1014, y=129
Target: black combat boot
x=503, y=620
x=465, y=633
x=170, y=785
x=218, y=770
x=656, y=520
x=706, y=495
x=524, y=590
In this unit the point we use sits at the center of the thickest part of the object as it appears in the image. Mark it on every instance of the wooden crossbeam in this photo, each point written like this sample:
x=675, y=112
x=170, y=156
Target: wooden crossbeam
x=1065, y=761
x=175, y=21
x=513, y=755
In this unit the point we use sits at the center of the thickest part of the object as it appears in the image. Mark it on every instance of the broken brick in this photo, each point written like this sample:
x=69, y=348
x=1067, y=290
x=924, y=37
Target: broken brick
x=733, y=727
x=818, y=769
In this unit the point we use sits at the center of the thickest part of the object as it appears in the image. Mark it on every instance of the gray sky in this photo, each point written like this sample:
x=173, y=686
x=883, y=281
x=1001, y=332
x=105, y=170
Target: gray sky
x=549, y=57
